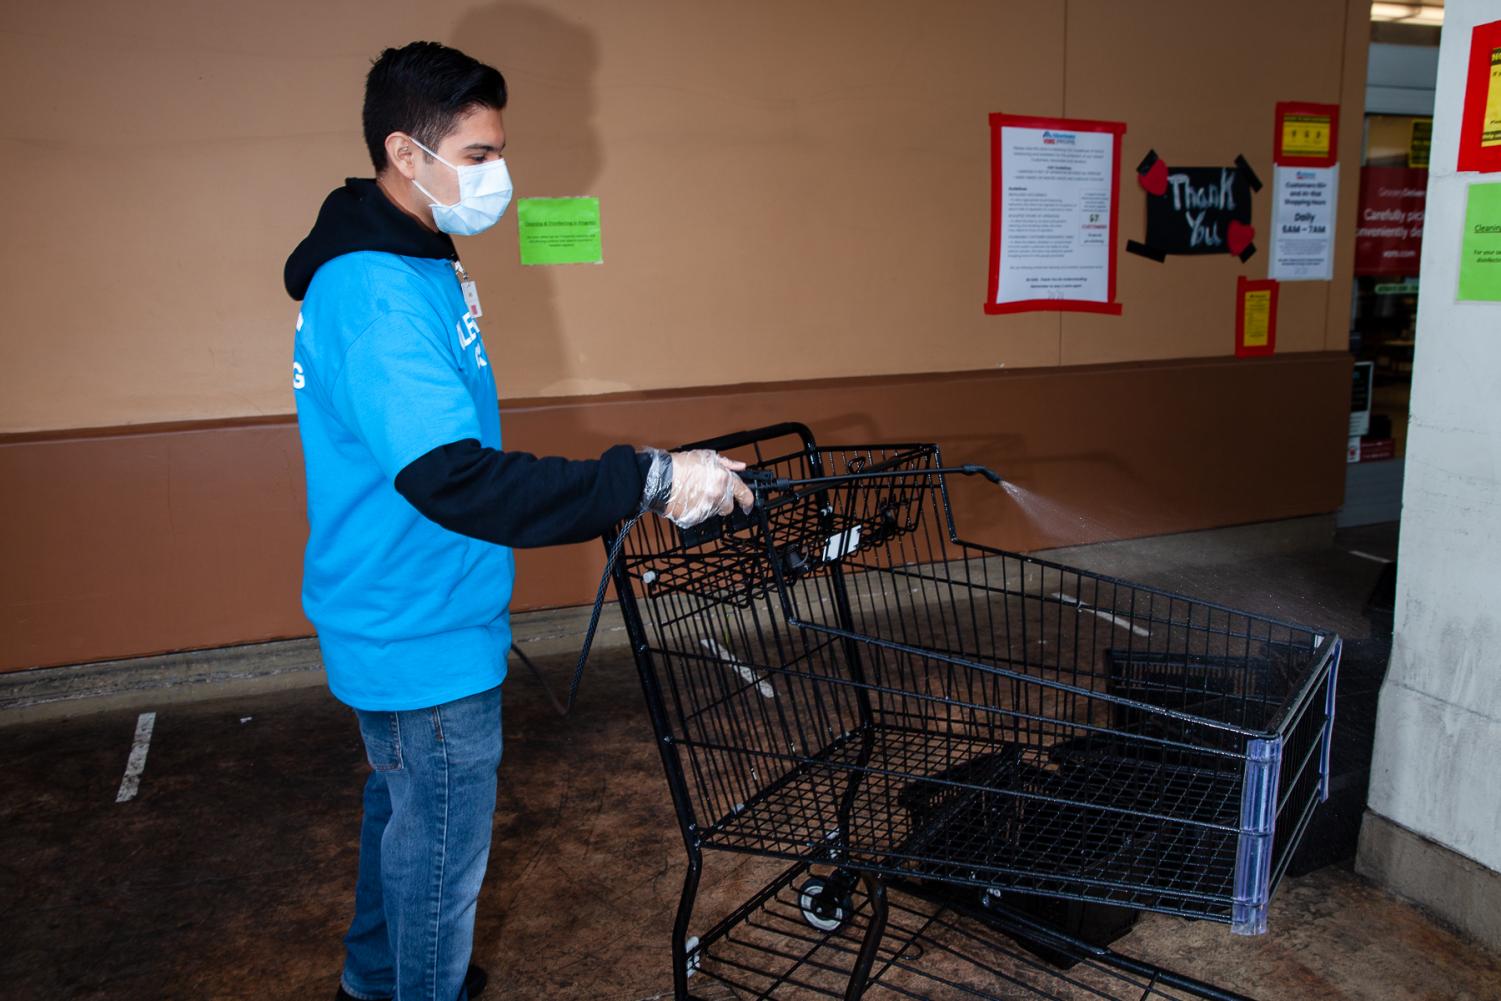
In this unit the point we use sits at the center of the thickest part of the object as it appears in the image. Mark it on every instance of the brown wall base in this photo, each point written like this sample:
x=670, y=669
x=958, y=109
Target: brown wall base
x=127, y=542
x=1460, y=891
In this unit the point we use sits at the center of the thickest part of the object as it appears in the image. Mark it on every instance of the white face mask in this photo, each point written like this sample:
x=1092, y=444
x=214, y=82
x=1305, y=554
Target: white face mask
x=484, y=193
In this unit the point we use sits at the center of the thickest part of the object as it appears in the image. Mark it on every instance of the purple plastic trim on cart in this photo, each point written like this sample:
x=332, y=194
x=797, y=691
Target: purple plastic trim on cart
x=1339, y=649
x=1258, y=821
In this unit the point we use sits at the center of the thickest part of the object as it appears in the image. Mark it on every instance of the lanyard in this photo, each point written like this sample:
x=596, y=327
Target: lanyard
x=470, y=290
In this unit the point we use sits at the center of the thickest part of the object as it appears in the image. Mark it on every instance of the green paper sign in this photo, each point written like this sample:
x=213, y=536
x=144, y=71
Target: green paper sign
x=1480, y=248
x=559, y=230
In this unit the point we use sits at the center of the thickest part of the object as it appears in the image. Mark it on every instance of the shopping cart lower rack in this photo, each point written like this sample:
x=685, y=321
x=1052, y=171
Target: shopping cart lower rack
x=779, y=945
x=838, y=677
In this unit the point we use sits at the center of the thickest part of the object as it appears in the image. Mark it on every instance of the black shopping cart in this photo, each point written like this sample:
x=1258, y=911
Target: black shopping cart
x=838, y=680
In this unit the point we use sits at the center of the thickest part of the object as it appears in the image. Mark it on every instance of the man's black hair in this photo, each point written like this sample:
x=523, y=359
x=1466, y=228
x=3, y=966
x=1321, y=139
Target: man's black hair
x=421, y=89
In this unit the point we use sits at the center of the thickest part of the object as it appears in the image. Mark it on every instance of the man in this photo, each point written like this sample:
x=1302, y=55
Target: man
x=413, y=505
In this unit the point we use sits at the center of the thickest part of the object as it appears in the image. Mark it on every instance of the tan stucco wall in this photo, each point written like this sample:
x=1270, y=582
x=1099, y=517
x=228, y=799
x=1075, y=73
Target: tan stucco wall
x=790, y=190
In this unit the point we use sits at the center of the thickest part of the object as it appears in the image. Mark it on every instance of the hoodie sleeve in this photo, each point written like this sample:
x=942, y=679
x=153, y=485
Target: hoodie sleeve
x=517, y=499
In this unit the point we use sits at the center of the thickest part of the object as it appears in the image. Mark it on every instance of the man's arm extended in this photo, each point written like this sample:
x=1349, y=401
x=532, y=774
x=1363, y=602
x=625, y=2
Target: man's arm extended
x=517, y=499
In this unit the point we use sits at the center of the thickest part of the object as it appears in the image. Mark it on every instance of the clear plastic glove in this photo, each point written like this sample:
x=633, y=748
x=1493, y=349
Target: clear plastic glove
x=704, y=484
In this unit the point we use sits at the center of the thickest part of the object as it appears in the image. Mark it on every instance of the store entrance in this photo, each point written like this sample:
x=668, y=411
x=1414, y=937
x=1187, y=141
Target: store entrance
x=1389, y=234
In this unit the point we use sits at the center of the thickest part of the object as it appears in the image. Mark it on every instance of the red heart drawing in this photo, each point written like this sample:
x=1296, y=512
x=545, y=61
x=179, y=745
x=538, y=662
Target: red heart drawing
x=1155, y=178
x=1239, y=237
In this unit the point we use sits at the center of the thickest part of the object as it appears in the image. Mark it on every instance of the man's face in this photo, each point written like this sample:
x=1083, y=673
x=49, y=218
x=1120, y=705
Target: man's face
x=478, y=136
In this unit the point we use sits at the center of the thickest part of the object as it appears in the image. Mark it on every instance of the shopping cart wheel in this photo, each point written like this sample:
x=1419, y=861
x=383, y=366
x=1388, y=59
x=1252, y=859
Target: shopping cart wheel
x=826, y=902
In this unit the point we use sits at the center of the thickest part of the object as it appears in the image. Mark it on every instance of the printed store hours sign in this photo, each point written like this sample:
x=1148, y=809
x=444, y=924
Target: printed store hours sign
x=1303, y=213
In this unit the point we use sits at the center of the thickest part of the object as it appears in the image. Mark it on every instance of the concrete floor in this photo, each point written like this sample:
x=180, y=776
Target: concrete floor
x=230, y=874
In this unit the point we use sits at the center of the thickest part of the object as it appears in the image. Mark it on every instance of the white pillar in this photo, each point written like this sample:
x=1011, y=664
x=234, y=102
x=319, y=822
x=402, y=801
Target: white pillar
x=1433, y=826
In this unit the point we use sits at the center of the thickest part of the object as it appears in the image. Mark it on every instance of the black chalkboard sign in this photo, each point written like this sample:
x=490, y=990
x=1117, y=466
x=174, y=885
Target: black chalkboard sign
x=1200, y=210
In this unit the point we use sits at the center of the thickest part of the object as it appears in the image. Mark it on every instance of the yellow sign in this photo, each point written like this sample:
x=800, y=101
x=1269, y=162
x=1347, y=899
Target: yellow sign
x=1420, y=142
x=1258, y=317
x=1308, y=135
x=1490, y=132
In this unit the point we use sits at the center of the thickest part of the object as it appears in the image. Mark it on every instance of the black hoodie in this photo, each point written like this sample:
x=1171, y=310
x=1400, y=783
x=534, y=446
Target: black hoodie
x=509, y=498
x=359, y=216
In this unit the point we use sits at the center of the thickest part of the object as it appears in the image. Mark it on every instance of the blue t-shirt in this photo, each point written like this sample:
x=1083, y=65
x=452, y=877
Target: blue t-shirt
x=388, y=364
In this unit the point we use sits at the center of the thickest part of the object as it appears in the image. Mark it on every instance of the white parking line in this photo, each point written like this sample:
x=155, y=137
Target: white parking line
x=136, y=763
x=1368, y=556
x=1107, y=616
x=744, y=670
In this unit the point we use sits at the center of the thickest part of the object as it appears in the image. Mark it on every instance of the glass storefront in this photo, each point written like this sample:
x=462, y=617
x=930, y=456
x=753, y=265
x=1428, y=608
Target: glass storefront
x=1394, y=176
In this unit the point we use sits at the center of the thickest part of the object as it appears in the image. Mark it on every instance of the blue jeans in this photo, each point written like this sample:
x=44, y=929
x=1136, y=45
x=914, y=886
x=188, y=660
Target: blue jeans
x=424, y=843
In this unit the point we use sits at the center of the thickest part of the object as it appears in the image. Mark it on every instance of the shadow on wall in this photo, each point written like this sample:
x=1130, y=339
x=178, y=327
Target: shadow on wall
x=553, y=149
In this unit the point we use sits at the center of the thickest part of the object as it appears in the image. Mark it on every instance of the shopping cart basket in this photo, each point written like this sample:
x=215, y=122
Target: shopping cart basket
x=838, y=677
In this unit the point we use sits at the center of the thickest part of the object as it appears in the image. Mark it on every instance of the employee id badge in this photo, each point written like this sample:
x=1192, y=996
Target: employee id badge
x=471, y=298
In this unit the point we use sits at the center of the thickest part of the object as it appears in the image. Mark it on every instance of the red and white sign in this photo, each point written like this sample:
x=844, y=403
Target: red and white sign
x=1055, y=187
x=1389, y=234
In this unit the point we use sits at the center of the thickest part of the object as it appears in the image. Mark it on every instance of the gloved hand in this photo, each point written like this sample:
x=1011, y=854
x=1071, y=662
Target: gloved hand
x=703, y=484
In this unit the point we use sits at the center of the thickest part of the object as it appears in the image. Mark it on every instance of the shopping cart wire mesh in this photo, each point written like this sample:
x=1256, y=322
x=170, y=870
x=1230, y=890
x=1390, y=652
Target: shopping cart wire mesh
x=839, y=677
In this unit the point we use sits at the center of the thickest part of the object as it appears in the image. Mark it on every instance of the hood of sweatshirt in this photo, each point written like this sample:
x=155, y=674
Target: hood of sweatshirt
x=357, y=217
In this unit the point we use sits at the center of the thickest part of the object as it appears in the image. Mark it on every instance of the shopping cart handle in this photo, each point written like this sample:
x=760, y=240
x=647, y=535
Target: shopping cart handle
x=762, y=481
x=768, y=480
x=765, y=478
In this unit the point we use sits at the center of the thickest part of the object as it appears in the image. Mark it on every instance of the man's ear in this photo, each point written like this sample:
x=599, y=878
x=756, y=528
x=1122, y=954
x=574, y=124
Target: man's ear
x=401, y=153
